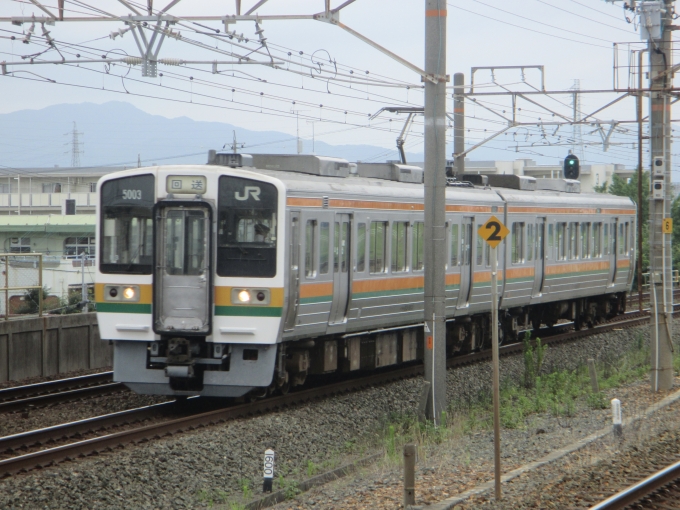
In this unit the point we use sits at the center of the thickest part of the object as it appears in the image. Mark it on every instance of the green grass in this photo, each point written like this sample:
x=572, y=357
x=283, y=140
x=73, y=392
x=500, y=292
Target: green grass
x=560, y=393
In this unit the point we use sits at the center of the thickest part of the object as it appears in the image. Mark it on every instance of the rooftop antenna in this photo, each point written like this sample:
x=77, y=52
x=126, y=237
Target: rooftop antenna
x=234, y=144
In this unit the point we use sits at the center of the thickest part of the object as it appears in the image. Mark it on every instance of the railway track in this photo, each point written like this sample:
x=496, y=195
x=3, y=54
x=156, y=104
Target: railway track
x=37, y=448
x=659, y=491
x=58, y=391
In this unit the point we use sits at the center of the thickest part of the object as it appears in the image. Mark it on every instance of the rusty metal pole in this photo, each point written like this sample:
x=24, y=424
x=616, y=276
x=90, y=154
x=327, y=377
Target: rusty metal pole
x=6, y=287
x=40, y=283
x=496, y=374
x=409, y=475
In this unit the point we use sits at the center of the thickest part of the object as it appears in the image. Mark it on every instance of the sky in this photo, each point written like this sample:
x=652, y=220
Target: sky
x=330, y=83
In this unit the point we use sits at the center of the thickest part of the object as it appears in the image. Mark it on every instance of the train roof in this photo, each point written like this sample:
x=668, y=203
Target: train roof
x=305, y=175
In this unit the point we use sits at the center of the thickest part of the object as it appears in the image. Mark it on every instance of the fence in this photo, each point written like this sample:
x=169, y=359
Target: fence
x=44, y=346
x=675, y=279
x=21, y=293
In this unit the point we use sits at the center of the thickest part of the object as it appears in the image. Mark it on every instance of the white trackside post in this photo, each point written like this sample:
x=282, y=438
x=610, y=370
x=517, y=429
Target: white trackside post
x=268, y=471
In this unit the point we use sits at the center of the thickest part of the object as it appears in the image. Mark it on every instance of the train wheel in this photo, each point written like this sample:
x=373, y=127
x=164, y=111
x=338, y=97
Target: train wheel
x=285, y=388
x=578, y=324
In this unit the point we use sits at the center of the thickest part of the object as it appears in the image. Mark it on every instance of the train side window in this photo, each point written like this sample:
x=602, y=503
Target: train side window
x=551, y=238
x=454, y=245
x=418, y=255
x=324, y=242
x=585, y=240
x=336, y=248
x=466, y=244
x=310, y=249
x=487, y=254
x=605, y=238
x=376, y=251
x=361, y=247
x=480, y=251
x=399, y=246
x=597, y=244
x=561, y=242
x=620, y=240
x=627, y=238
x=517, y=242
x=531, y=245
x=573, y=240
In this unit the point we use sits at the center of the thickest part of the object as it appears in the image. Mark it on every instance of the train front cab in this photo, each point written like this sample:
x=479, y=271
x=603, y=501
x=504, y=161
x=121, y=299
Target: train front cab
x=190, y=281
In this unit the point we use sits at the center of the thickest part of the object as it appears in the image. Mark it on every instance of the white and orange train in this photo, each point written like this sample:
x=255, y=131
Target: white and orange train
x=251, y=272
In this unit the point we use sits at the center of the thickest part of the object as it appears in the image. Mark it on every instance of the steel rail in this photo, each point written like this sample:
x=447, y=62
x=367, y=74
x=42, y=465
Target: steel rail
x=638, y=491
x=15, y=442
x=91, y=446
x=42, y=388
x=62, y=396
x=98, y=444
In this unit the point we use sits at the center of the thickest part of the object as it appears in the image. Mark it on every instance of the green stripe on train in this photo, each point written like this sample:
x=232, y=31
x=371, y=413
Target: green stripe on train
x=109, y=307
x=582, y=273
x=383, y=293
x=249, y=311
x=318, y=299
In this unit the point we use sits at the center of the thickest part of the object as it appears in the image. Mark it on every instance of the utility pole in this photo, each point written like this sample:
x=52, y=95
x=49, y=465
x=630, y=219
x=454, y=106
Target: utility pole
x=83, y=287
x=660, y=54
x=459, y=122
x=577, y=146
x=435, y=194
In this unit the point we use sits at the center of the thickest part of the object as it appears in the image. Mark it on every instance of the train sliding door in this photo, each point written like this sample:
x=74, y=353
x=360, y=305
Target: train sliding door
x=341, y=269
x=613, y=249
x=539, y=265
x=182, y=280
x=465, y=263
x=294, y=271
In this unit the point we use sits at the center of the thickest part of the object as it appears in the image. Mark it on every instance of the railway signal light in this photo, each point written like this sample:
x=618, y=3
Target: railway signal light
x=571, y=167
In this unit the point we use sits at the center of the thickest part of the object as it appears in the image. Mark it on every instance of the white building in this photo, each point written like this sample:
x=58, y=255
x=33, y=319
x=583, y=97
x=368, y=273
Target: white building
x=63, y=241
x=590, y=175
x=27, y=191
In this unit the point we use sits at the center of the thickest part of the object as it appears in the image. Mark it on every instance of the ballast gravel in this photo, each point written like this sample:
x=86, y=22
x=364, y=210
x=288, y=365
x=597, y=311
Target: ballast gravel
x=209, y=466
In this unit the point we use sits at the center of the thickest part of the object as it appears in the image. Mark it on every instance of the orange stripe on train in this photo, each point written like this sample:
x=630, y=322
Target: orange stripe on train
x=311, y=290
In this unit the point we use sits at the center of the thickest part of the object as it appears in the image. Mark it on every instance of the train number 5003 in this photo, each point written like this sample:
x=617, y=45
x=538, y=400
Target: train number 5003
x=132, y=194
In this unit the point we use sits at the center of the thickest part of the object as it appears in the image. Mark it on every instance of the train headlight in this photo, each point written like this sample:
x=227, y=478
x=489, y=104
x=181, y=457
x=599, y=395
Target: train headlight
x=129, y=293
x=250, y=296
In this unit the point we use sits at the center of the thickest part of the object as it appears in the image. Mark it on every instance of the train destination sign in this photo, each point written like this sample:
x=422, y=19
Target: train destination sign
x=493, y=231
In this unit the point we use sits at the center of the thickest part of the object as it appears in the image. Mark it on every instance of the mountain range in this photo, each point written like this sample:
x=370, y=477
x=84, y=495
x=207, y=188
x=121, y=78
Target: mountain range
x=118, y=134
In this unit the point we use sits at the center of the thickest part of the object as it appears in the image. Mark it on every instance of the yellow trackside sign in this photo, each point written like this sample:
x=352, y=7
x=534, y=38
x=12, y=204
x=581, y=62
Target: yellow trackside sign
x=493, y=231
x=667, y=226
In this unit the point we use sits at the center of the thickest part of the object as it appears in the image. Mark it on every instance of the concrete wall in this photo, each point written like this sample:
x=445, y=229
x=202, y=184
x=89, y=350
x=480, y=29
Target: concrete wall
x=51, y=345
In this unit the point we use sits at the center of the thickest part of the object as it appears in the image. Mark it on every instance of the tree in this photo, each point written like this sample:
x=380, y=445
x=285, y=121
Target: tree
x=629, y=188
x=31, y=300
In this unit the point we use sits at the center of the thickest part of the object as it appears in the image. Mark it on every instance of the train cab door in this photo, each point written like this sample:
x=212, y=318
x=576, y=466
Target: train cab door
x=182, y=278
x=613, y=250
x=294, y=271
x=539, y=264
x=341, y=269
x=465, y=263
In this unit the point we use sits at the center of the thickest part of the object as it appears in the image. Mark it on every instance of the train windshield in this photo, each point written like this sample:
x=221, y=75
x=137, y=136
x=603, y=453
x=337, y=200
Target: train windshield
x=246, y=228
x=127, y=225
